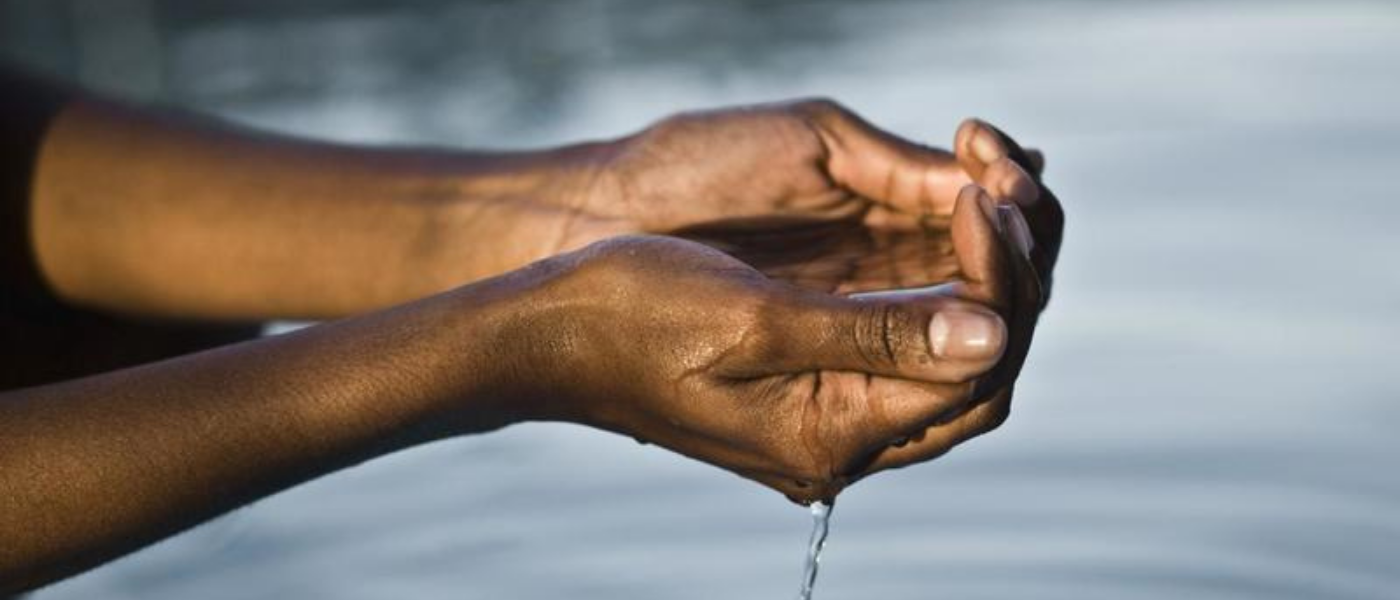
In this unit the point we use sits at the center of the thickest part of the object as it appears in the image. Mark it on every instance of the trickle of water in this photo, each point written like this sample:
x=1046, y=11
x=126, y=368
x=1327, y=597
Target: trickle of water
x=821, y=519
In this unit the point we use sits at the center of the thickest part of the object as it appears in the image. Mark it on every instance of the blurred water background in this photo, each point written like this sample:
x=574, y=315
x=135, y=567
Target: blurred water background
x=1210, y=411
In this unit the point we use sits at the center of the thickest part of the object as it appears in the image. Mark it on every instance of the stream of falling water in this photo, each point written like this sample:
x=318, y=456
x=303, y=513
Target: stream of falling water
x=821, y=519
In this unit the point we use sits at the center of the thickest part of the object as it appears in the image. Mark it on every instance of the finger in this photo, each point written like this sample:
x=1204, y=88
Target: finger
x=937, y=439
x=893, y=409
x=983, y=150
x=1019, y=295
x=997, y=272
x=1037, y=159
x=869, y=412
x=922, y=334
x=1028, y=297
x=980, y=245
x=977, y=144
x=1007, y=181
x=883, y=167
x=959, y=348
x=975, y=147
x=1046, y=216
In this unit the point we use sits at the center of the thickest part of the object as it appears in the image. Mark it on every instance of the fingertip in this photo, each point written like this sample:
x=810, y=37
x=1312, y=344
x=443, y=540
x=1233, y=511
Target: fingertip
x=1011, y=182
x=1037, y=159
x=962, y=148
x=978, y=140
x=962, y=139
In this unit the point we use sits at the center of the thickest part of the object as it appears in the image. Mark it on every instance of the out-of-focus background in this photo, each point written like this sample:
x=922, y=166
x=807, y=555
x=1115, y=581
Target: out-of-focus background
x=1212, y=409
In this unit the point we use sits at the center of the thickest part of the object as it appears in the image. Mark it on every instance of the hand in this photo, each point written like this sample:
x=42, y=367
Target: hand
x=680, y=345
x=810, y=193
x=984, y=151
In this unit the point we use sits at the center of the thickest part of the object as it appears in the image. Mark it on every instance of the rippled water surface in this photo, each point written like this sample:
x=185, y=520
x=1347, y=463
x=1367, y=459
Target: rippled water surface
x=1210, y=411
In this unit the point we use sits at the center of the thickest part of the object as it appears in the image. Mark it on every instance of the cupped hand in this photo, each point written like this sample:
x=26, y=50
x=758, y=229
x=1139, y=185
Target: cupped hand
x=680, y=345
x=810, y=193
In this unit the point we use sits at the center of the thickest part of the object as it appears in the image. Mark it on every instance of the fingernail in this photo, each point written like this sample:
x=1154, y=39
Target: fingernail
x=1018, y=230
x=989, y=209
x=1018, y=186
x=963, y=334
x=986, y=147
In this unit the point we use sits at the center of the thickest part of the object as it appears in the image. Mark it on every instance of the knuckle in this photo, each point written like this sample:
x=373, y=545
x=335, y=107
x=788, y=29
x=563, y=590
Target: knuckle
x=652, y=252
x=672, y=125
x=767, y=337
x=869, y=338
x=879, y=335
x=618, y=256
x=821, y=108
x=623, y=265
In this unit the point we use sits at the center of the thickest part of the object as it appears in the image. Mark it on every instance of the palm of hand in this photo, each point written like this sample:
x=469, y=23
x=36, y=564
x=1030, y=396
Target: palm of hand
x=755, y=184
x=839, y=256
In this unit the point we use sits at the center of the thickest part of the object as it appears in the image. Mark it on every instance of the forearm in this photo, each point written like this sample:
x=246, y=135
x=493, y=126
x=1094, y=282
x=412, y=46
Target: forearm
x=170, y=215
x=98, y=467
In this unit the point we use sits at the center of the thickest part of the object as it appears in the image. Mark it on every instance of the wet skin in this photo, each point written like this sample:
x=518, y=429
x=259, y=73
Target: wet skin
x=782, y=291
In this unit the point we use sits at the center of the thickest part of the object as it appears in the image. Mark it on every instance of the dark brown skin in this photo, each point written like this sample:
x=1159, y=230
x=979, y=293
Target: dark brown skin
x=148, y=214
x=872, y=308
x=799, y=390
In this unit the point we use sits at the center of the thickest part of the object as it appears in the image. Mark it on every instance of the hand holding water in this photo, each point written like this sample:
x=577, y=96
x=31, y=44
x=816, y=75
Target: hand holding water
x=683, y=346
x=811, y=193
x=825, y=301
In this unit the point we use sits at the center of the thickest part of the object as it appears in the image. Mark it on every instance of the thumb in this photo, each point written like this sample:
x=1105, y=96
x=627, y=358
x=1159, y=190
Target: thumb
x=921, y=334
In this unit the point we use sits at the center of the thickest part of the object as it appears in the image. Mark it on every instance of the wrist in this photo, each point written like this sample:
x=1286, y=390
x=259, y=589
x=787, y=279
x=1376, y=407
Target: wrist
x=508, y=350
x=483, y=215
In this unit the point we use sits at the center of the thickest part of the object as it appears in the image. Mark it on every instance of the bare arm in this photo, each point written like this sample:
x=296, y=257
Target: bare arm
x=96, y=467
x=129, y=211
x=656, y=338
x=167, y=214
